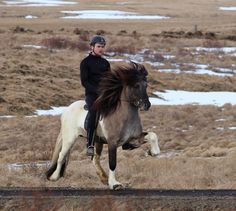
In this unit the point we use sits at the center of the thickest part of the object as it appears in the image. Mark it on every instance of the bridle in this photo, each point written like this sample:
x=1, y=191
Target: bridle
x=137, y=103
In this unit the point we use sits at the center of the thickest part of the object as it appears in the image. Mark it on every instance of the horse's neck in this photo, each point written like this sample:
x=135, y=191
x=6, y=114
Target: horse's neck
x=128, y=112
x=126, y=104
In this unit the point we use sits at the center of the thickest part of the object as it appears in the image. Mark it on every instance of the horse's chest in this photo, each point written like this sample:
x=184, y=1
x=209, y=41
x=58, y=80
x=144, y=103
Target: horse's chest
x=122, y=128
x=130, y=130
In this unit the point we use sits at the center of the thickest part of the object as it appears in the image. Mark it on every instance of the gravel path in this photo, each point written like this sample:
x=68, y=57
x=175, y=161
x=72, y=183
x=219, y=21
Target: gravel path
x=127, y=199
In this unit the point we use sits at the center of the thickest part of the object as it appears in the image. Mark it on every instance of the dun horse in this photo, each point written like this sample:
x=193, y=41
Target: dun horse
x=123, y=93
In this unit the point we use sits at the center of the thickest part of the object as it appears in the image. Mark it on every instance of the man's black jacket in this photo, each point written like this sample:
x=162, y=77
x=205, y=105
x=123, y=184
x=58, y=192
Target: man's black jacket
x=92, y=69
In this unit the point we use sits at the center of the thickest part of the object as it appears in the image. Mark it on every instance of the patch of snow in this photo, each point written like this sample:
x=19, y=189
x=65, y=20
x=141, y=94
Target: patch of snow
x=154, y=64
x=168, y=154
x=108, y=14
x=220, y=120
x=168, y=56
x=172, y=97
x=30, y=17
x=177, y=71
x=224, y=49
x=138, y=58
x=118, y=60
x=7, y=116
x=228, y=8
x=34, y=46
x=37, y=3
x=22, y=166
x=202, y=69
x=54, y=111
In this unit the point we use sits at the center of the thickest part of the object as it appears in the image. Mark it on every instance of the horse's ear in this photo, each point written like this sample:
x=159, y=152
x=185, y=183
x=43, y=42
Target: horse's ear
x=140, y=68
x=143, y=70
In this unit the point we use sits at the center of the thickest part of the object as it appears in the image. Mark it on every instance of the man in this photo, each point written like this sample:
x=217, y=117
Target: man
x=92, y=69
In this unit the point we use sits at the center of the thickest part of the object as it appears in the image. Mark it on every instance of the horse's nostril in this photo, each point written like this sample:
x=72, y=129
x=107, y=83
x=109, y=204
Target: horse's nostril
x=147, y=105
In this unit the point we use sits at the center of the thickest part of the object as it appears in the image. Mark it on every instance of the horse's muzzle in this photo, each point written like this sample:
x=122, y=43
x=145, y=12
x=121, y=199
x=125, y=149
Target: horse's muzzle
x=146, y=105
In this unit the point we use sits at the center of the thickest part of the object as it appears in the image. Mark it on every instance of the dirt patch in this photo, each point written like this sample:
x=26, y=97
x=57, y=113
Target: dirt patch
x=78, y=199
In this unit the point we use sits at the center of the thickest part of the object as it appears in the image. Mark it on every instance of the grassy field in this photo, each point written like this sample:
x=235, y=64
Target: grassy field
x=198, y=147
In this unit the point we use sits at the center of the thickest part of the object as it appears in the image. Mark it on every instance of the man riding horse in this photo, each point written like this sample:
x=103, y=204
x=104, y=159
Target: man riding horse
x=122, y=93
x=92, y=69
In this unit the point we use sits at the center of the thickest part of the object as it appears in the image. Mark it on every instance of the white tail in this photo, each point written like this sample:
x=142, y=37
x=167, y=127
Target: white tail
x=57, y=148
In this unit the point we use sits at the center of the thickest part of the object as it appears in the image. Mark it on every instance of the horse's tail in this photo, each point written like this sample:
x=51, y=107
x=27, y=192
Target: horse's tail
x=55, y=156
x=57, y=148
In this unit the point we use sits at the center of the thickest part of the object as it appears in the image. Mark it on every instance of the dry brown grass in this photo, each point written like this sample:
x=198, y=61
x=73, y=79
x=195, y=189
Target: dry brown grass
x=64, y=43
x=32, y=78
x=190, y=131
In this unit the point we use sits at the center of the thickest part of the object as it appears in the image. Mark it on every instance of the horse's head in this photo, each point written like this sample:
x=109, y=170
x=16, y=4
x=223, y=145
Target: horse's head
x=132, y=79
x=137, y=87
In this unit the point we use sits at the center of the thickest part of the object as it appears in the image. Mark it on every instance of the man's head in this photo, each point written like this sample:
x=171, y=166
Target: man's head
x=97, y=45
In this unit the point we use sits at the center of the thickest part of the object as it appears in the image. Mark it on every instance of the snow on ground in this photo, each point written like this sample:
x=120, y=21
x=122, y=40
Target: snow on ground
x=52, y=111
x=34, y=46
x=172, y=97
x=147, y=56
x=108, y=14
x=37, y=3
x=202, y=69
x=30, y=17
x=223, y=49
x=228, y=8
x=180, y=97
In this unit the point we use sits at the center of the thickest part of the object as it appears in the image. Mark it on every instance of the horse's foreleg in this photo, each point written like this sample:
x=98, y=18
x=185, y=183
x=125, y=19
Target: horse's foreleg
x=112, y=182
x=63, y=157
x=96, y=161
x=152, y=138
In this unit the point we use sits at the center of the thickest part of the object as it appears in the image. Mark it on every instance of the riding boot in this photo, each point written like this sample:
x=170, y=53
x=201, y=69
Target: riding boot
x=90, y=144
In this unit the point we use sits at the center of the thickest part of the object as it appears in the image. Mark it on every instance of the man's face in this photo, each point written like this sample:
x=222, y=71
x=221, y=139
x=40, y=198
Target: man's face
x=98, y=49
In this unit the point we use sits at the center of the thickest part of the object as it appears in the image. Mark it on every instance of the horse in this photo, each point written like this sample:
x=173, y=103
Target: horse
x=122, y=94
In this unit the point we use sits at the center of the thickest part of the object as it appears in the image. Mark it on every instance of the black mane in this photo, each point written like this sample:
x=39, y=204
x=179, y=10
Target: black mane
x=112, y=85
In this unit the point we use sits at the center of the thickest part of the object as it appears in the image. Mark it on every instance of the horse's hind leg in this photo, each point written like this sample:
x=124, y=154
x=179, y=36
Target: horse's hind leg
x=68, y=139
x=96, y=161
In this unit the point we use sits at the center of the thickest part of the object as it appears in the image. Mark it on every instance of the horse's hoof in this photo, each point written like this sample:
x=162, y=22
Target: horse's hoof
x=149, y=153
x=118, y=187
x=53, y=179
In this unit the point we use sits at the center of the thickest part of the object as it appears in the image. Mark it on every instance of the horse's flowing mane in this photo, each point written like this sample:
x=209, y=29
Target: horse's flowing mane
x=112, y=84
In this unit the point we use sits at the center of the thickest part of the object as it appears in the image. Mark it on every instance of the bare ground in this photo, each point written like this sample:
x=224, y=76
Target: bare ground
x=130, y=199
x=203, y=155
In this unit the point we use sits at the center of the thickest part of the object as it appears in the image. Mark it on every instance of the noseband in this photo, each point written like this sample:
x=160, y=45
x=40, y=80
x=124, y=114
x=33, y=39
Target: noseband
x=137, y=103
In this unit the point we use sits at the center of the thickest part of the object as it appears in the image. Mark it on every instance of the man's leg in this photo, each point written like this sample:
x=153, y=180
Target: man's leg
x=91, y=133
x=91, y=125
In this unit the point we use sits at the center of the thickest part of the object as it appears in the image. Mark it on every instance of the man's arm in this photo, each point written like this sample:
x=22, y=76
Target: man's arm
x=84, y=77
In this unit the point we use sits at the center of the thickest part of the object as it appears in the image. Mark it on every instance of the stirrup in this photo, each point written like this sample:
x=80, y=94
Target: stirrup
x=90, y=151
